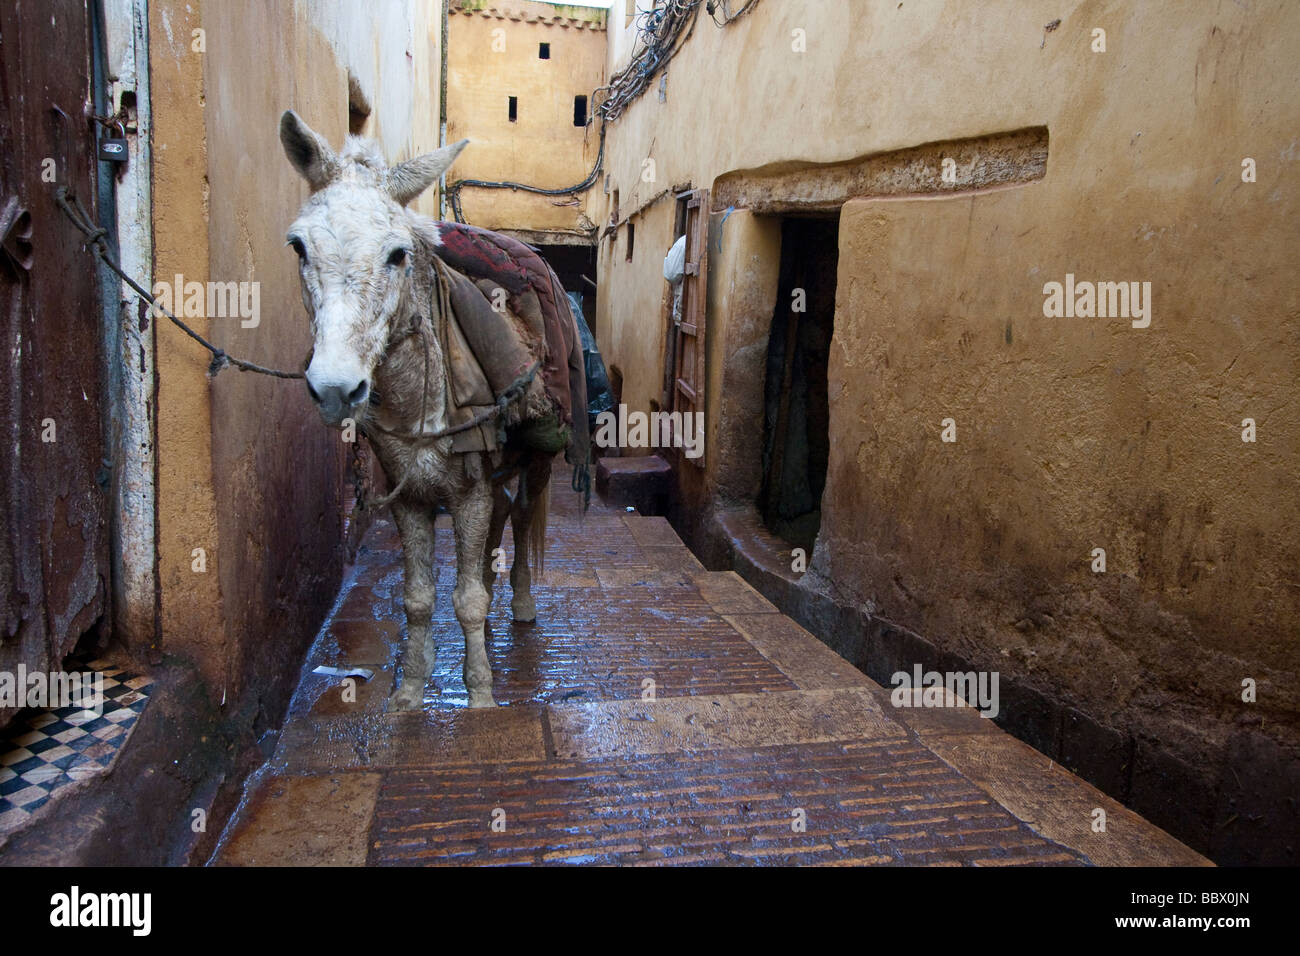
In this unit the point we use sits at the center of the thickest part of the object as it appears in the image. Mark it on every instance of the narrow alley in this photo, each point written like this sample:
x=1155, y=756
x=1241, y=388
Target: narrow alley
x=656, y=713
x=886, y=413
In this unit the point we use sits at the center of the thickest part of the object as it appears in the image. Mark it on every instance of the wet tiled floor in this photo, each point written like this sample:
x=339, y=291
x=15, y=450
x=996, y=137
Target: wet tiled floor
x=657, y=713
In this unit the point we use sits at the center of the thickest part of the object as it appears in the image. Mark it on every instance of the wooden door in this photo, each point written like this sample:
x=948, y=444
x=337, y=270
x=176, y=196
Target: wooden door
x=688, y=351
x=54, y=569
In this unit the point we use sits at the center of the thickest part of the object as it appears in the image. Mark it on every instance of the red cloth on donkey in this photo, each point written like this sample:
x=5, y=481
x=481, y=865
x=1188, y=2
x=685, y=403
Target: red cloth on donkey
x=535, y=294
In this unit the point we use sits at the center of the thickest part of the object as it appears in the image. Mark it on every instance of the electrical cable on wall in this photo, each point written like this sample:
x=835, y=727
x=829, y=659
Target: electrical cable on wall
x=661, y=33
x=454, y=188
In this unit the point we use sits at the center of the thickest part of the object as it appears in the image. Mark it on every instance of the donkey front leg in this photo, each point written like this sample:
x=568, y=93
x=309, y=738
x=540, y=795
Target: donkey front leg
x=472, y=517
x=415, y=525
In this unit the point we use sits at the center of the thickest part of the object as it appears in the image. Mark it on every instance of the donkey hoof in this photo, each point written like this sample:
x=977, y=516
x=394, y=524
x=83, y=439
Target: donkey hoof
x=406, y=697
x=481, y=699
x=523, y=608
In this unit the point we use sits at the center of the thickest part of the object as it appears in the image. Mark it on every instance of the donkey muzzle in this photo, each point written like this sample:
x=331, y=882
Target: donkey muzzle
x=338, y=401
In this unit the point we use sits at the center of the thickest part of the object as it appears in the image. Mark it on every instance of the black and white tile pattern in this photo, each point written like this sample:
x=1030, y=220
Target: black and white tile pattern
x=42, y=751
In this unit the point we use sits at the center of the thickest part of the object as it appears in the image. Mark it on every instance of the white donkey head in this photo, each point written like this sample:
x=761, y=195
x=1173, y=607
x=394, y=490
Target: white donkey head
x=355, y=242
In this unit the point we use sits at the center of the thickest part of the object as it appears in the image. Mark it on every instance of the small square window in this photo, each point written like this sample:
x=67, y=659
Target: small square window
x=543, y=51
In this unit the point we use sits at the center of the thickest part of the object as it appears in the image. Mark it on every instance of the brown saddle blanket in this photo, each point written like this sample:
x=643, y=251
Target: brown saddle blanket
x=489, y=348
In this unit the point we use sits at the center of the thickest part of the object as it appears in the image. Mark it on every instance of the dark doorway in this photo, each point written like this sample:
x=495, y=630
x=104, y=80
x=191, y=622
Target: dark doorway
x=796, y=411
x=571, y=265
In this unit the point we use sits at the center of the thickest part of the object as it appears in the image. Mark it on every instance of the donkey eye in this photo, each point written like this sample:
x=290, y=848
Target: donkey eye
x=299, y=248
x=397, y=257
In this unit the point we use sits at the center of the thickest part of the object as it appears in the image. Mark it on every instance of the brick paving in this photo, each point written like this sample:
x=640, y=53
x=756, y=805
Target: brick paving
x=657, y=713
x=861, y=802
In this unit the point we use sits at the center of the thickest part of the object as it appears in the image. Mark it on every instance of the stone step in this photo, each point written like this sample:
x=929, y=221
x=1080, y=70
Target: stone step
x=641, y=482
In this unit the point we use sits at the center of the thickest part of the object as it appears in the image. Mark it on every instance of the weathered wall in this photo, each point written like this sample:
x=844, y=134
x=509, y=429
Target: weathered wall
x=542, y=147
x=640, y=337
x=1073, y=434
x=190, y=603
x=246, y=470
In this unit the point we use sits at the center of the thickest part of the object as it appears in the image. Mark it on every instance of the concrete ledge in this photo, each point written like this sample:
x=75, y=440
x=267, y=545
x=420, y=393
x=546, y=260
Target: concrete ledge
x=1057, y=804
x=1223, y=818
x=183, y=753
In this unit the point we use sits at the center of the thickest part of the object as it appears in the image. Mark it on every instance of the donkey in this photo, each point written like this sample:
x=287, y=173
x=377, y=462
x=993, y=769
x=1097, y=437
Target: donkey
x=367, y=269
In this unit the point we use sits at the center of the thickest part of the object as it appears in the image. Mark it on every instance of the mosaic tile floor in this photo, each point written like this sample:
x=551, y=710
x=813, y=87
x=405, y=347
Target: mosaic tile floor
x=45, y=750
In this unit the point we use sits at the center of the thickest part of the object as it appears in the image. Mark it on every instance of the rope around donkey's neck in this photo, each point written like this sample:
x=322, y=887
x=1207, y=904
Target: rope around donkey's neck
x=95, y=238
x=513, y=393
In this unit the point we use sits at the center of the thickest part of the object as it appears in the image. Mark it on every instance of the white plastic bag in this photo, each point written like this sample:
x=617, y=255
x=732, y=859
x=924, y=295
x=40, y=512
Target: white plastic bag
x=675, y=261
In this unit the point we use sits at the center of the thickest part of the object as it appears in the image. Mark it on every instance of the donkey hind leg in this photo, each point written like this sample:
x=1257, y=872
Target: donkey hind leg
x=416, y=528
x=491, y=561
x=528, y=522
x=472, y=517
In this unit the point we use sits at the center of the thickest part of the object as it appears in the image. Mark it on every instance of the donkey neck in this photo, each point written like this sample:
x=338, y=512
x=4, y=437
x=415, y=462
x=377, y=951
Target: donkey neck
x=411, y=378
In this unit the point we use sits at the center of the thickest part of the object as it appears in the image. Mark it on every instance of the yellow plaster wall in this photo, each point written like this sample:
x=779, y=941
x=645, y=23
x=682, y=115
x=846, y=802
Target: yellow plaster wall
x=492, y=54
x=1073, y=433
x=246, y=469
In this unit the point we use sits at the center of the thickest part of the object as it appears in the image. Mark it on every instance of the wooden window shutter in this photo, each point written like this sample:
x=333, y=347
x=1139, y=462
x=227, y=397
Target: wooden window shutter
x=688, y=353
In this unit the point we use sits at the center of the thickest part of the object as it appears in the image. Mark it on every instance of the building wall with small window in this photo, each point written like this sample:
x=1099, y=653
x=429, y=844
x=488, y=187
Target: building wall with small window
x=1079, y=504
x=520, y=77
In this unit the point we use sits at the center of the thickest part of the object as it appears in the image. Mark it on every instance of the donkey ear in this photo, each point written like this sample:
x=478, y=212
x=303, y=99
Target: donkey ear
x=407, y=180
x=307, y=151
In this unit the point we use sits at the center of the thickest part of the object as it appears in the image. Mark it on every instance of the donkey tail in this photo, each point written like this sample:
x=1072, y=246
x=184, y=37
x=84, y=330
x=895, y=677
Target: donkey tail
x=541, y=505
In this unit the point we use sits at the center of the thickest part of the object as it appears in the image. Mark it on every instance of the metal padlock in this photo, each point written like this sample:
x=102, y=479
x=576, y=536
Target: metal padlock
x=115, y=149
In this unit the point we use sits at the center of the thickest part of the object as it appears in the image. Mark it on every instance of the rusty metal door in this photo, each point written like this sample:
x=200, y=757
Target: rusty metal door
x=54, y=583
x=688, y=374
